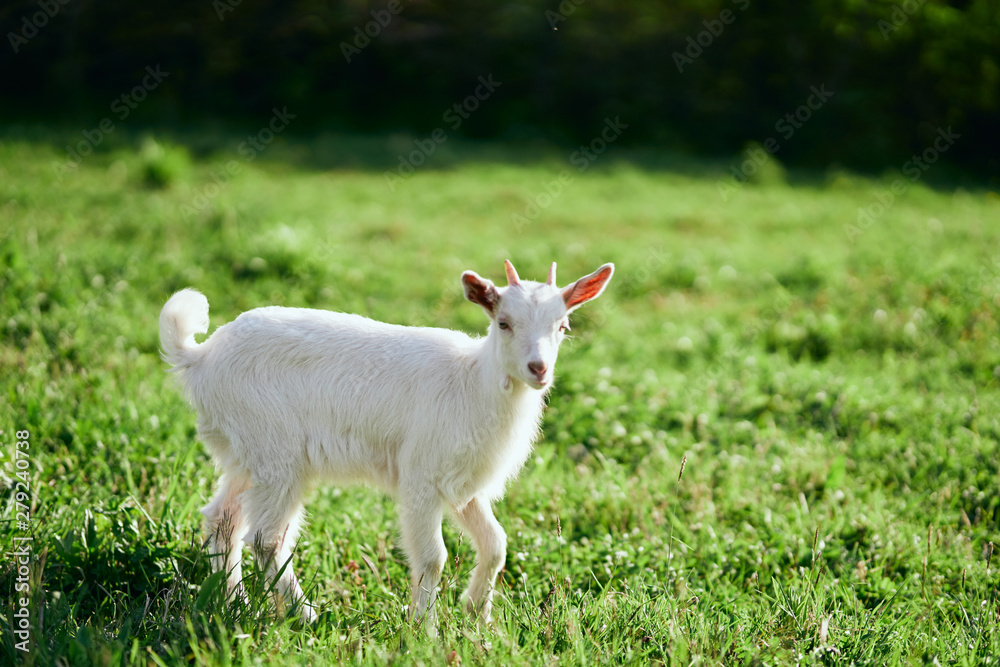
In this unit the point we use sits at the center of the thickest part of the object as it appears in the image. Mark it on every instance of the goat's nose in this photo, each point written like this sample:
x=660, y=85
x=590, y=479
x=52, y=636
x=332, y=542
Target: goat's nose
x=538, y=368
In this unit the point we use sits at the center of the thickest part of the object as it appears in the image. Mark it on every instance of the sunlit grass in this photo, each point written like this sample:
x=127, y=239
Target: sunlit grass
x=837, y=400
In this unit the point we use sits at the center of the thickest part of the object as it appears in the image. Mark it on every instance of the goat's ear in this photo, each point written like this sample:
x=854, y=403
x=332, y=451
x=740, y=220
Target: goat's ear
x=588, y=287
x=480, y=290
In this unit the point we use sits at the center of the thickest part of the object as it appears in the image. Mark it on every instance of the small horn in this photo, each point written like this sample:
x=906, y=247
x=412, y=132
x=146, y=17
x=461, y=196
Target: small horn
x=512, y=278
x=552, y=275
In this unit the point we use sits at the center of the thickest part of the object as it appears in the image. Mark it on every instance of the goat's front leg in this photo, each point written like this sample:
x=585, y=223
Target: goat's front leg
x=490, y=540
x=420, y=519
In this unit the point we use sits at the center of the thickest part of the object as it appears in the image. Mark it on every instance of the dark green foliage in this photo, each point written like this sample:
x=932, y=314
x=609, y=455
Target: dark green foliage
x=708, y=75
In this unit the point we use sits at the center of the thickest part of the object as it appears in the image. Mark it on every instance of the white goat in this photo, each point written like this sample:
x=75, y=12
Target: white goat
x=286, y=396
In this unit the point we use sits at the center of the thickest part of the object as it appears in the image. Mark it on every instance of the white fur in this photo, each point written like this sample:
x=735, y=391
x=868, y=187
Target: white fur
x=287, y=396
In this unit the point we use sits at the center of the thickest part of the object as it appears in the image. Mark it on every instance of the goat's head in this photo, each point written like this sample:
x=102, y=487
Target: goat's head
x=530, y=319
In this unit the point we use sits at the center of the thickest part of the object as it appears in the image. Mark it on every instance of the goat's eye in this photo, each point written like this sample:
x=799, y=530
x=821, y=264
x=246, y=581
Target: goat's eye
x=503, y=324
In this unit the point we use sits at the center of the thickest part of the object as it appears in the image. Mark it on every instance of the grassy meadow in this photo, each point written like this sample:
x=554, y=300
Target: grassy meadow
x=833, y=389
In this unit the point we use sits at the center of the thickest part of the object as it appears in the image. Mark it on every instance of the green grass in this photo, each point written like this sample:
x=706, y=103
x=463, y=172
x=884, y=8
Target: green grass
x=837, y=402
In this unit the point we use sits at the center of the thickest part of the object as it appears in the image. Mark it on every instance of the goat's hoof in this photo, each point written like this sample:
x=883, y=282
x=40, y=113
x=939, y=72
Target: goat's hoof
x=307, y=613
x=482, y=612
x=238, y=595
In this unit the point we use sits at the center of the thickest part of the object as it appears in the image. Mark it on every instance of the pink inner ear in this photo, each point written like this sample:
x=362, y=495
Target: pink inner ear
x=586, y=288
x=479, y=291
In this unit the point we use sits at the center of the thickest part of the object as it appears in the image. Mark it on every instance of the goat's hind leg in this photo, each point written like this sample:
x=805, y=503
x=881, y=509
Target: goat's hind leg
x=275, y=516
x=225, y=523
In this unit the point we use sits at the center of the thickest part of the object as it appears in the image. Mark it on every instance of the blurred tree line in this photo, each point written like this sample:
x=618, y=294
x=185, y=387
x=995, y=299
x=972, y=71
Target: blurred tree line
x=695, y=75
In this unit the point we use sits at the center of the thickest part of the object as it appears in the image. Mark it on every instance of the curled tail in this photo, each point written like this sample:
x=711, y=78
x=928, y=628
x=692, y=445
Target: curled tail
x=184, y=315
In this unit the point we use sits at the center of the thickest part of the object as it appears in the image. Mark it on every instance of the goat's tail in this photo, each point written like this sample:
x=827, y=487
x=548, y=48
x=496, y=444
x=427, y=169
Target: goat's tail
x=184, y=315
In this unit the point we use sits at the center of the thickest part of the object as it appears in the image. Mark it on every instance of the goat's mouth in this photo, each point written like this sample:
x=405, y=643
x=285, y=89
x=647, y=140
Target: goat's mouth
x=538, y=383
